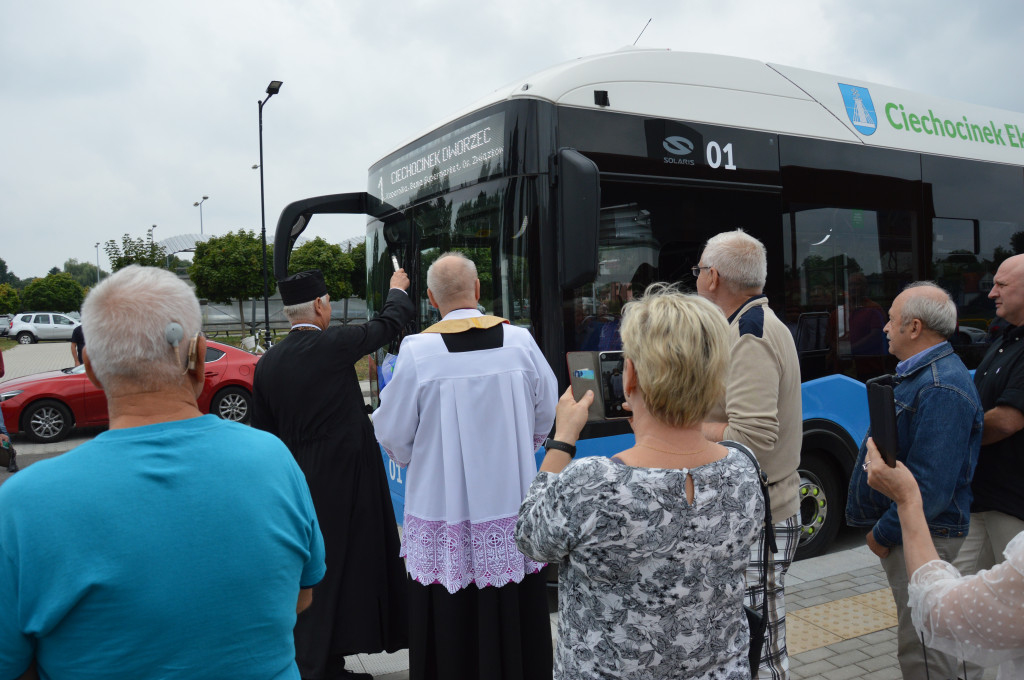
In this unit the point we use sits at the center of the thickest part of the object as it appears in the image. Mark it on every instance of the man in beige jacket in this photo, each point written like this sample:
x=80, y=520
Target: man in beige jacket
x=761, y=409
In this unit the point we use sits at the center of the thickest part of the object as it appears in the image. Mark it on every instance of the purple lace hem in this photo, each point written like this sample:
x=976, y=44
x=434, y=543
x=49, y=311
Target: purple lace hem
x=456, y=555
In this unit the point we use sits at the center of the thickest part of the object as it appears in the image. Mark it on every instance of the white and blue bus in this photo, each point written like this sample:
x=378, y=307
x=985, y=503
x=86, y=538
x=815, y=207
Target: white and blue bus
x=574, y=188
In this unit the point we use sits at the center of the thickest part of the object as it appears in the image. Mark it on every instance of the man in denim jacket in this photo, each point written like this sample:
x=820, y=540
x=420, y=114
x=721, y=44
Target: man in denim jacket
x=938, y=420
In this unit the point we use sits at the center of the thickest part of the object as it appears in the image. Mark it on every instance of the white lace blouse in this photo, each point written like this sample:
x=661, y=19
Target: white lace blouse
x=978, y=618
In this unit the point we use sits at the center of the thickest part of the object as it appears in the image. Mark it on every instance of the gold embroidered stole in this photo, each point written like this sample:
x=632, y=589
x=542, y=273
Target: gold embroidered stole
x=462, y=325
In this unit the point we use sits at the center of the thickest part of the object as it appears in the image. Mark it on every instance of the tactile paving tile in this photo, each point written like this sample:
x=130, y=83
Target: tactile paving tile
x=880, y=600
x=847, y=617
x=803, y=636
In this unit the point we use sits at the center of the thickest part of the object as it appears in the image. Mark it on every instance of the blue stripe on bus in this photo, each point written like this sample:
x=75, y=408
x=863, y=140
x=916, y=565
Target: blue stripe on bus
x=840, y=399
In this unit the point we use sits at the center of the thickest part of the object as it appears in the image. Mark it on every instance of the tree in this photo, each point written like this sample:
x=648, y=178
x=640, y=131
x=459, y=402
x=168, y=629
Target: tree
x=145, y=252
x=55, y=293
x=83, y=272
x=358, y=255
x=230, y=267
x=6, y=276
x=328, y=258
x=10, y=302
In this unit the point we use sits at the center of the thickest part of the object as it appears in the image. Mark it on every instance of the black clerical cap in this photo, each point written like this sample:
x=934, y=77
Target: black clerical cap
x=302, y=287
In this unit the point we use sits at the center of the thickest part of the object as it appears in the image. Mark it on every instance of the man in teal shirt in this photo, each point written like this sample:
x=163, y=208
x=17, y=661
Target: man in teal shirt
x=174, y=545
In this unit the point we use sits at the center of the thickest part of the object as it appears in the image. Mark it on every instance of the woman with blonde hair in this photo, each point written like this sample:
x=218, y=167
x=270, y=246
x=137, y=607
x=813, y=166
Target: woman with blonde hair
x=653, y=542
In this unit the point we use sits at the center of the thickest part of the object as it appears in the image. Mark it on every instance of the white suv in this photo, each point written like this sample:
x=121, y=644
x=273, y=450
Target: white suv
x=35, y=326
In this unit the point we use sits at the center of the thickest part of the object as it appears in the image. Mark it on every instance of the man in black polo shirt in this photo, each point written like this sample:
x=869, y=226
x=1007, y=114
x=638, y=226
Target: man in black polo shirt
x=997, y=513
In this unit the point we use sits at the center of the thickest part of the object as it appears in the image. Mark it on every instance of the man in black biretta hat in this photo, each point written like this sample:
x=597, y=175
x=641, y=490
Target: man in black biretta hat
x=302, y=287
x=306, y=392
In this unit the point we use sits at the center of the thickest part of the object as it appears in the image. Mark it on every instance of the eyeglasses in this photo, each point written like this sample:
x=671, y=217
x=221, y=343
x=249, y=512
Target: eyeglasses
x=696, y=270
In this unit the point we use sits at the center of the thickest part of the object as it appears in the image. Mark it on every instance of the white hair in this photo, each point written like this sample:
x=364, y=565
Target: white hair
x=125, y=320
x=304, y=310
x=740, y=259
x=936, y=312
x=448, y=282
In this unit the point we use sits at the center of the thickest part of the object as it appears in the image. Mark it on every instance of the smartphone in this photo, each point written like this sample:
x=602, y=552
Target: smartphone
x=882, y=410
x=394, y=263
x=602, y=373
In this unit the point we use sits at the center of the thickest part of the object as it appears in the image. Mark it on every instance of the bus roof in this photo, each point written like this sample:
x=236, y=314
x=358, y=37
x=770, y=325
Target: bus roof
x=745, y=93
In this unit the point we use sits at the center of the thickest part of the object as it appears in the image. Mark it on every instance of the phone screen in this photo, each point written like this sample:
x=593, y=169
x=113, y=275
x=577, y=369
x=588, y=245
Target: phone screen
x=394, y=263
x=611, y=384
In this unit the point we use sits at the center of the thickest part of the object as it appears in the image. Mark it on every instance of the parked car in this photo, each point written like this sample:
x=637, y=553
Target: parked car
x=46, y=406
x=5, y=324
x=32, y=327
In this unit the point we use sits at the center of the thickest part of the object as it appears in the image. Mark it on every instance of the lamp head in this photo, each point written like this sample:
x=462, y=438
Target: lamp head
x=274, y=87
x=195, y=204
x=205, y=197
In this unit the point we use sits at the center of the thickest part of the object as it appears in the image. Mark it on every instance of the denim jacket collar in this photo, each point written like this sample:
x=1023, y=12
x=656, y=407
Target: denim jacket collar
x=927, y=358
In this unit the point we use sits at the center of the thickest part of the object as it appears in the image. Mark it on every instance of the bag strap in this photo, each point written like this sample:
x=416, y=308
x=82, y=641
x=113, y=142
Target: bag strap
x=768, y=544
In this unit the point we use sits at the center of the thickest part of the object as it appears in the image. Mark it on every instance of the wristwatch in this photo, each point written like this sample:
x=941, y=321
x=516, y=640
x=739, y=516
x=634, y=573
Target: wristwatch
x=550, y=443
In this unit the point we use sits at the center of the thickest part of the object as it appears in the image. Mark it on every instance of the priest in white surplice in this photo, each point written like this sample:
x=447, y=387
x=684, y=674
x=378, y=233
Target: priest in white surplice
x=471, y=400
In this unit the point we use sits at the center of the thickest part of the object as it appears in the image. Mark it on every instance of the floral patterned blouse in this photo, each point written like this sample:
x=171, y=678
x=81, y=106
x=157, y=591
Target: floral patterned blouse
x=650, y=586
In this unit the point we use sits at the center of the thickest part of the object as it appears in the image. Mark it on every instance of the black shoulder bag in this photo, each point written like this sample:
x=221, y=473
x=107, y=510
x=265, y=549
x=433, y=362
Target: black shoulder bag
x=757, y=621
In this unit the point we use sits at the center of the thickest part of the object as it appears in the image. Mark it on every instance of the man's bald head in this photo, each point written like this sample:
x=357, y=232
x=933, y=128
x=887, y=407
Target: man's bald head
x=452, y=282
x=1008, y=290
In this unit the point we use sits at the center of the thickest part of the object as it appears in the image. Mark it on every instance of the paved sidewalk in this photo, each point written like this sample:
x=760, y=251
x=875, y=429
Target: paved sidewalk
x=841, y=623
x=37, y=358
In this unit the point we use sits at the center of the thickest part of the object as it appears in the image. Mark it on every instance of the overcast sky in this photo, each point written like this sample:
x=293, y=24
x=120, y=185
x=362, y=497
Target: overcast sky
x=120, y=115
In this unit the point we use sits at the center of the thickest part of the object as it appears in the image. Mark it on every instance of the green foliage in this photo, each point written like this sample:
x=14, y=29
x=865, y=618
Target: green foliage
x=140, y=251
x=175, y=263
x=337, y=267
x=231, y=267
x=358, y=255
x=6, y=276
x=55, y=293
x=83, y=272
x=10, y=301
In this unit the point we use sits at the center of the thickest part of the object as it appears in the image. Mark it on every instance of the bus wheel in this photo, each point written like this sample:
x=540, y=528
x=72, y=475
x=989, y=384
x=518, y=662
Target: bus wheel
x=821, y=506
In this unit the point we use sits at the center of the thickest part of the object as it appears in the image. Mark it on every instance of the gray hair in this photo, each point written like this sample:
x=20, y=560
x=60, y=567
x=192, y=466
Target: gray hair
x=449, y=282
x=304, y=310
x=125, y=319
x=935, y=314
x=740, y=259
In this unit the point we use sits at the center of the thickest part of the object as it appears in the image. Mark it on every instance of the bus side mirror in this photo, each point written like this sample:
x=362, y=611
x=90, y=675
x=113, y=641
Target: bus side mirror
x=578, y=204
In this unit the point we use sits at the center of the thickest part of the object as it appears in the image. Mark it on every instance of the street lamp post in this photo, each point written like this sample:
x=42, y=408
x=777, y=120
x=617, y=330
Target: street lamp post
x=167, y=258
x=272, y=89
x=199, y=204
x=97, y=262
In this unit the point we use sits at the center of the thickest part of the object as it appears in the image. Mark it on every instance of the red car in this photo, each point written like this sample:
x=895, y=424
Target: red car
x=45, y=406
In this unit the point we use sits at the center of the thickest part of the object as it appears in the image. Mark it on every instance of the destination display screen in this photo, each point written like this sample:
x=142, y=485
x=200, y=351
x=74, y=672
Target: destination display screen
x=472, y=152
x=637, y=144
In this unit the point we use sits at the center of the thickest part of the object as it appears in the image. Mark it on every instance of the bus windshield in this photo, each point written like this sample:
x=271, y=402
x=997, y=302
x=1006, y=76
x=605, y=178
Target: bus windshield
x=475, y=222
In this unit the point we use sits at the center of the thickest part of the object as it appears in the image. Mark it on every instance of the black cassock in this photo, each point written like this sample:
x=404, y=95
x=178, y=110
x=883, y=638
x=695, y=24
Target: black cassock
x=306, y=392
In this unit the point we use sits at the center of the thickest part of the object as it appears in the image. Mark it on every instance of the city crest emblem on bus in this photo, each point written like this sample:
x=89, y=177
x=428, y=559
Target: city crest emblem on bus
x=859, y=108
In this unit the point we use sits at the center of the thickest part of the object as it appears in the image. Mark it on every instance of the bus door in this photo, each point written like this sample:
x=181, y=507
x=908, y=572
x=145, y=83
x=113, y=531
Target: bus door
x=656, y=233
x=652, y=233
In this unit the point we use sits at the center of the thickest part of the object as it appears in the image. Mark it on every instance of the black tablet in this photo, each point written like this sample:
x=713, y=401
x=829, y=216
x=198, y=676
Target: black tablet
x=882, y=409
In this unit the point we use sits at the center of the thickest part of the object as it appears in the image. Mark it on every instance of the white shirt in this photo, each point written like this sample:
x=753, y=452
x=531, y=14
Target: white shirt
x=979, y=618
x=467, y=425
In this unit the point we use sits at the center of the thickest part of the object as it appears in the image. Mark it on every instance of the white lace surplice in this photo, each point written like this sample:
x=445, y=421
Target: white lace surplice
x=978, y=618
